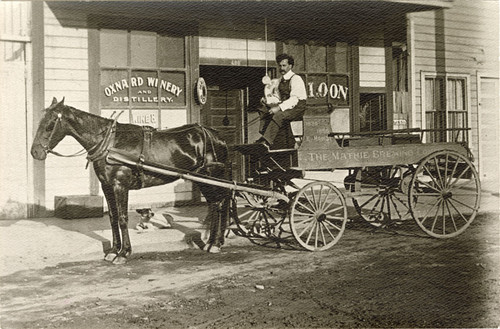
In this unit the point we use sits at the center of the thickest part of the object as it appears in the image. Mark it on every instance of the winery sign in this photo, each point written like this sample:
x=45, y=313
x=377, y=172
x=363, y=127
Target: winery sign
x=144, y=90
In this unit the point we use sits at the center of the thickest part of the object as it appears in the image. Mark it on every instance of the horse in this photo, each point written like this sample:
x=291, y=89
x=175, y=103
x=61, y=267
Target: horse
x=191, y=147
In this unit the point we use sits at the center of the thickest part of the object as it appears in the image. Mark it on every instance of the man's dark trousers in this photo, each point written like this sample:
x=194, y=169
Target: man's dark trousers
x=271, y=124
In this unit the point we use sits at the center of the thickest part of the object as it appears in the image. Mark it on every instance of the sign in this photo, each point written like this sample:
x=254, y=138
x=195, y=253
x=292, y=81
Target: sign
x=329, y=89
x=142, y=88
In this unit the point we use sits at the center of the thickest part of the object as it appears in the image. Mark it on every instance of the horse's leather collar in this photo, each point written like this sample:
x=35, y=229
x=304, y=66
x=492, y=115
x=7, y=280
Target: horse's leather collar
x=102, y=150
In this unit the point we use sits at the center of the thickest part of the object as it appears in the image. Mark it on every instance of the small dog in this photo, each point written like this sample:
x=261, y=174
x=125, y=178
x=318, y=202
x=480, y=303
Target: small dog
x=149, y=222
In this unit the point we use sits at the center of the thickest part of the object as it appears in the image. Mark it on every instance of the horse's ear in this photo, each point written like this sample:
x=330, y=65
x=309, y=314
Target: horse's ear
x=54, y=101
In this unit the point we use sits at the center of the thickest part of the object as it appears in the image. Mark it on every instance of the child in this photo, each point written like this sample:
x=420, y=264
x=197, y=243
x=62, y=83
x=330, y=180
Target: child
x=271, y=92
x=149, y=222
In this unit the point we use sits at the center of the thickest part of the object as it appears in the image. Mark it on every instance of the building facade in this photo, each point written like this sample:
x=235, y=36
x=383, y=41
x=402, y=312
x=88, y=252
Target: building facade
x=373, y=65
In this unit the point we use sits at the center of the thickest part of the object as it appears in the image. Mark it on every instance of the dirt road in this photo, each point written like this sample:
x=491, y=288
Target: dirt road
x=371, y=278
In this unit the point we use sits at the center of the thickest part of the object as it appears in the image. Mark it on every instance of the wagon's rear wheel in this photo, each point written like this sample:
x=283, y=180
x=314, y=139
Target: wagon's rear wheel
x=444, y=194
x=380, y=194
x=318, y=215
x=256, y=215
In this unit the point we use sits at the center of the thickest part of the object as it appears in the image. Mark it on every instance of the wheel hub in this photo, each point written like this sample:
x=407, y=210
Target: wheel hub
x=447, y=195
x=321, y=217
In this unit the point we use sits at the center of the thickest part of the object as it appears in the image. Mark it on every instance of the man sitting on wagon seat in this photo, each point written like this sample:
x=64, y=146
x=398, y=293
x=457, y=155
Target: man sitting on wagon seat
x=276, y=120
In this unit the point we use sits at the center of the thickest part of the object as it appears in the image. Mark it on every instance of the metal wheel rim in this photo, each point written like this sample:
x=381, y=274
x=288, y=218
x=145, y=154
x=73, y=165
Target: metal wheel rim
x=444, y=202
x=318, y=216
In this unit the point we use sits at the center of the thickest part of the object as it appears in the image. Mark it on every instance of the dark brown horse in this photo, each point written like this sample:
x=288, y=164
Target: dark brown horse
x=191, y=148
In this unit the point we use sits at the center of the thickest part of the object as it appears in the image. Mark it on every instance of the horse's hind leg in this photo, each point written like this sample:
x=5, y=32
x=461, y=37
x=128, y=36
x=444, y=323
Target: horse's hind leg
x=111, y=254
x=218, y=212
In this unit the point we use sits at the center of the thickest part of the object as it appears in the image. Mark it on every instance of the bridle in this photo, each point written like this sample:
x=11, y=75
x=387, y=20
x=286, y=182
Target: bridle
x=90, y=156
x=48, y=149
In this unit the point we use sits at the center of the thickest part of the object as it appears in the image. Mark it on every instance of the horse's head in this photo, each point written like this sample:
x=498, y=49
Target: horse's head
x=50, y=131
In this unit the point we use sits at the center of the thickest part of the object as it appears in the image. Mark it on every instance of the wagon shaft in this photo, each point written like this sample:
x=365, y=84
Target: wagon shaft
x=132, y=160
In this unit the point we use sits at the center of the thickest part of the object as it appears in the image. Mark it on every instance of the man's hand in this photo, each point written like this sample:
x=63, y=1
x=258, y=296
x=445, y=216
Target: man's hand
x=274, y=110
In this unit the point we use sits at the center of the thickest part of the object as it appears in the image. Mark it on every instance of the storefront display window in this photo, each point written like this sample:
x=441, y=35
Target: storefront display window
x=142, y=72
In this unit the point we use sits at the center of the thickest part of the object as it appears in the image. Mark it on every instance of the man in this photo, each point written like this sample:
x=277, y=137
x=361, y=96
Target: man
x=293, y=96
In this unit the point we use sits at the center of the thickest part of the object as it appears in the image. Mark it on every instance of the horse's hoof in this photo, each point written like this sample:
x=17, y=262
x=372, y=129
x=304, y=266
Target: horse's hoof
x=110, y=257
x=211, y=249
x=119, y=260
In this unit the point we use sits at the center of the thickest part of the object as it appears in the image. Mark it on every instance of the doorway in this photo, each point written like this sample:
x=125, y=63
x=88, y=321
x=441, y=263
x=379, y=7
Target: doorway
x=233, y=98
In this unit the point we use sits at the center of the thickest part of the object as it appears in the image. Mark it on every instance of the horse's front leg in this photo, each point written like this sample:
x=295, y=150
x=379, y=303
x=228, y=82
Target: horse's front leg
x=111, y=254
x=121, y=195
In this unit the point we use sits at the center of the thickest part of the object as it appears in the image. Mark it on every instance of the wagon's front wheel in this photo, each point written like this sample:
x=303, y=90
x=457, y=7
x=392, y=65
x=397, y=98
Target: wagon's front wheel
x=318, y=215
x=444, y=194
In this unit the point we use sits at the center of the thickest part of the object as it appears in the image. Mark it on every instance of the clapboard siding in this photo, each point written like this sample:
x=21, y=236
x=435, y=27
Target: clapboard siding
x=461, y=40
x=371, y=67
x=66, y=75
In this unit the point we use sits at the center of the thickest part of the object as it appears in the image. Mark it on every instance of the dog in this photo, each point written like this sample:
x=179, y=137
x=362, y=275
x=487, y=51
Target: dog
x=149, y=222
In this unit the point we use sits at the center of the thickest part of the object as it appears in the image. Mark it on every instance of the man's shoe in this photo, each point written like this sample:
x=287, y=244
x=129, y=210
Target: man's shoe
x=262, y=141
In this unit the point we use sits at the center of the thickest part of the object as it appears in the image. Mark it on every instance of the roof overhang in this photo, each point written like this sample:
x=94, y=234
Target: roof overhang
x=339, y=16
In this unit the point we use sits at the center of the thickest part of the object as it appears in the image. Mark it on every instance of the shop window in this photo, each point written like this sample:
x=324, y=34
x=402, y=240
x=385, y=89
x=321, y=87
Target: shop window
x=324, y=68
x=373, y=114
x=142, y=70
x=113, y=48
x=143, y=49
x=446, y=115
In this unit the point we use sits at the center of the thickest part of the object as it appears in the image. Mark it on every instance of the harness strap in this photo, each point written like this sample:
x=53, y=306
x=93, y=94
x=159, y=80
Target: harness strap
x=102, y=148
x=147, y=133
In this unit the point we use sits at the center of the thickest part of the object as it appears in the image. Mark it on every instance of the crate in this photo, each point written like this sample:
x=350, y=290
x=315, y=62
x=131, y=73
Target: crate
x=78, y=206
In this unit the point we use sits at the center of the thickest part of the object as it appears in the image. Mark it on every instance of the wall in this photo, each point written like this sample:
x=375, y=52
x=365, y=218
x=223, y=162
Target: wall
x=459, y=40
x=15, y=48
x=66, y=75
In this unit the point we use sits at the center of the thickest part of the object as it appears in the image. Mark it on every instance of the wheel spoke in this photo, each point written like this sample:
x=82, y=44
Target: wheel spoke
x=313, y=226
x=452, y=173
x=438, y=172
x=428, y=185
x=328, y=230
x=428, y=211
x=459, y=177
x=451, y=215
x=459, y=212
x=311, y=223
x=306, y=207
x=369, y=200
x=431, y=176
x=334, y=210
x=463, y=204
x=326, y=199
x=332, y=224
x=435, y=216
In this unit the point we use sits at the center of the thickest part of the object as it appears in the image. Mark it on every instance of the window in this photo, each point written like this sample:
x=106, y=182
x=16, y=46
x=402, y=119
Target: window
x=142, y=72
x=445, y=107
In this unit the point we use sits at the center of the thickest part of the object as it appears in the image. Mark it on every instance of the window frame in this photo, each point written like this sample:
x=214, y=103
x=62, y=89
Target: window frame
x=424, y=75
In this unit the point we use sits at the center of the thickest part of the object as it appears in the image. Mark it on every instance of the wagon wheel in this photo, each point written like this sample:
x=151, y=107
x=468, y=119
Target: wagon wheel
x=380, y=194
x=445, y=194
x=318, y=215
x=257, y=216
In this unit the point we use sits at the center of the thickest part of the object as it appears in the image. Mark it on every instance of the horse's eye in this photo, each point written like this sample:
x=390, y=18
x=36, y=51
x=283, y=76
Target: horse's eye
x=50, y=126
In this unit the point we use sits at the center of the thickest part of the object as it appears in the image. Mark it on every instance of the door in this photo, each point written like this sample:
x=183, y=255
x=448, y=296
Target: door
x=224, y=112
x=13, y=134
x=489, y=137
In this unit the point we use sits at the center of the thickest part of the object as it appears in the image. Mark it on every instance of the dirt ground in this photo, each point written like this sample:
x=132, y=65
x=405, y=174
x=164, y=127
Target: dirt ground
x=372, y=278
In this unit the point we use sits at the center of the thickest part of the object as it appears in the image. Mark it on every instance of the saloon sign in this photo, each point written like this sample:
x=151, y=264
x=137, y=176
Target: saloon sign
x=331, y=89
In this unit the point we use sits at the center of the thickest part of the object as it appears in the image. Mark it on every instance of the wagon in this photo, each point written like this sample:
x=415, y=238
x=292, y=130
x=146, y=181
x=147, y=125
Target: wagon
x=390, y=176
